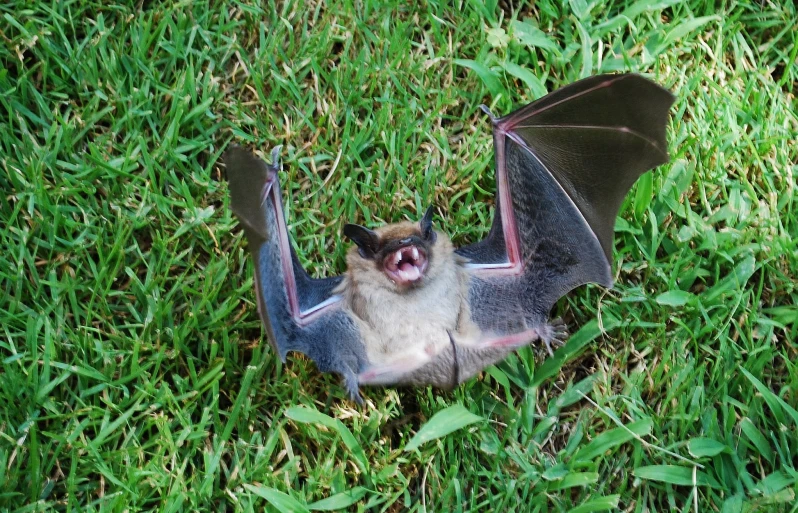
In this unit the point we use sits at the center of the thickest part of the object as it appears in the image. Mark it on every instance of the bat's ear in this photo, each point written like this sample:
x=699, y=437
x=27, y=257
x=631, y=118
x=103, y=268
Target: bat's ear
x=368, y=242
x=426, y=225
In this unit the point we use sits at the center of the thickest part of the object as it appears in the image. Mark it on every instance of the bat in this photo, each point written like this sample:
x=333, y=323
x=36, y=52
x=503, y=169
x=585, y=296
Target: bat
x=413, y=309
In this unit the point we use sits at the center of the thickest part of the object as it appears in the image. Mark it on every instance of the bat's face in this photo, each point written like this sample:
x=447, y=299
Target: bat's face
x=401, y=253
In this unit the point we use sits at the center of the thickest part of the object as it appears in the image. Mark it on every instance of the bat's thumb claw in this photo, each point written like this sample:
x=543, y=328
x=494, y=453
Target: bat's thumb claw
x=276, y=156
x=487, y=111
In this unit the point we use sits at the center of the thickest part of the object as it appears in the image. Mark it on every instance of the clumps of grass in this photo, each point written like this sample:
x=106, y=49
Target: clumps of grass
x=134, y=373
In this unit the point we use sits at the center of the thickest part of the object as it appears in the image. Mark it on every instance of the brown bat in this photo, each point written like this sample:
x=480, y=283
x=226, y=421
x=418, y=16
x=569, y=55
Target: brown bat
x=413, y=309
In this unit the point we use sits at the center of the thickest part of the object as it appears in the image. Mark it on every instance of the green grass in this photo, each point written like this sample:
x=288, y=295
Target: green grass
x=134, y=371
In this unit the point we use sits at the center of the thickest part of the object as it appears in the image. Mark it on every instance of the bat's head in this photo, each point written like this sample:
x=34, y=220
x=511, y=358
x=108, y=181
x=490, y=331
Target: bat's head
x=404, y=253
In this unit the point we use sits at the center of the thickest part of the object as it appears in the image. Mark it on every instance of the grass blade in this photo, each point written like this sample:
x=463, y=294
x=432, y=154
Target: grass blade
x=777, y=405
x=339, y=500
x=706, y=447
x=488, y=77
x=675, y=298
x=282, y=501
x=309, y=416
x=441, y=424
x=597, y=504
x=613, y=438
x=575, y=344
x=675, y=475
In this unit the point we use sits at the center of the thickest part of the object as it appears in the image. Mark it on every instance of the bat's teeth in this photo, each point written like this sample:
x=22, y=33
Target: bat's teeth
x=406, y=265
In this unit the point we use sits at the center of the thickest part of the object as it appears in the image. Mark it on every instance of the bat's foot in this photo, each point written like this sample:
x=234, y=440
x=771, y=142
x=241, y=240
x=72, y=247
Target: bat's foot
x=553, y=334
x=353, y=388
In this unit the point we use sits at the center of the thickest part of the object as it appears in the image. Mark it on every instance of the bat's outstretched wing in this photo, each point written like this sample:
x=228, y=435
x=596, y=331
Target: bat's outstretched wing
x=300, y=313
x=564, y=164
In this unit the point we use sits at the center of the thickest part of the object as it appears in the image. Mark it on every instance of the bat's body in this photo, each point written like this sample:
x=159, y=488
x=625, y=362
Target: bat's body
x=411, y=308
x=407, y=316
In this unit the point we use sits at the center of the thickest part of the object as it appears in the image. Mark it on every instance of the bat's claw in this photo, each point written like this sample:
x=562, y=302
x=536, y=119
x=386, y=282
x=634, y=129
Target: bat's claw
x=352, y=388
x=276, y=156
x=553, y=334
x=484, y=108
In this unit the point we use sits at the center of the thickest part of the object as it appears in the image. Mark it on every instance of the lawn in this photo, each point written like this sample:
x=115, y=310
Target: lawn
x=135, y=374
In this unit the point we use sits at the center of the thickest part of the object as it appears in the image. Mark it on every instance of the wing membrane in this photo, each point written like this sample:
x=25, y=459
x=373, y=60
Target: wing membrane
x=564, y=164
x=300, y=313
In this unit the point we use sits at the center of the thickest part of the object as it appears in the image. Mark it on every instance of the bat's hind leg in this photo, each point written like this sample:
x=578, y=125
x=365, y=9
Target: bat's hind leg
x=400, y=366
x=553, y=334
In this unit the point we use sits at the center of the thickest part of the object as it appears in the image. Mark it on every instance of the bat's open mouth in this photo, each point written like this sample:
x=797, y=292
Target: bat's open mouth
x=406, y=265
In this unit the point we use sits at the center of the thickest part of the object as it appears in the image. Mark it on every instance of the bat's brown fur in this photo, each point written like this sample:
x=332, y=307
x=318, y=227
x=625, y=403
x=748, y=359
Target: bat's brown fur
x=408, y=326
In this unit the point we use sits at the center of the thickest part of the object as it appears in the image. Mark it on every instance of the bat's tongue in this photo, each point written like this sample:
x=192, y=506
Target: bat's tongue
x=409, y=271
